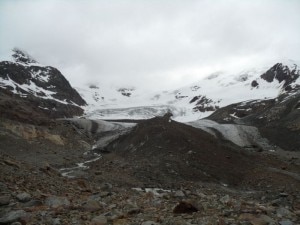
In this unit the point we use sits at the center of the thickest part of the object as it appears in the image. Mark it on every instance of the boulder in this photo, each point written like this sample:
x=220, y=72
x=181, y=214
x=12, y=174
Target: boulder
x=13, y=216
x=99, y=220
x=55, y=202
x=184, y=207
x=149, y=223
x=286, y=222
x=91, y=206
x=4, y=200
x=23, y=197
x=225, y=200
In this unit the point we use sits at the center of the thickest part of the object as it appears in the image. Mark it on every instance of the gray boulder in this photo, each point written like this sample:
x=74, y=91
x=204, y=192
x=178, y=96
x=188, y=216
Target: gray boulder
x=13, y=216
x=23, y=197
x=56, y=202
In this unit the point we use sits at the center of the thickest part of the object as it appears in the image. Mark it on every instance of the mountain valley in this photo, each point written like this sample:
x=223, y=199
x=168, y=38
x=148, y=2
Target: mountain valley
x=224, y=150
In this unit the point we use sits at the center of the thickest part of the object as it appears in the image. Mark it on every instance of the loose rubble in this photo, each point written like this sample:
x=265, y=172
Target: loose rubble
x=28, y=197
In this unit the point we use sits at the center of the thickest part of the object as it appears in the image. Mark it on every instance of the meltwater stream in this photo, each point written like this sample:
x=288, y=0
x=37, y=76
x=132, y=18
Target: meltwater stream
x=71, y=171
x=105, y=132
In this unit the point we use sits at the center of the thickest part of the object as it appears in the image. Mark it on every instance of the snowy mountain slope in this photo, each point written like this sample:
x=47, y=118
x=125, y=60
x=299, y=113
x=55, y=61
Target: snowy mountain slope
x=194, y=101
x=25, y=76
x=28, y=88
x=106, y=102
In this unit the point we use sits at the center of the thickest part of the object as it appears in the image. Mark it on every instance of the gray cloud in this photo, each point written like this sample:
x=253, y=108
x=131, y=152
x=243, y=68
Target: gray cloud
x=151, y=44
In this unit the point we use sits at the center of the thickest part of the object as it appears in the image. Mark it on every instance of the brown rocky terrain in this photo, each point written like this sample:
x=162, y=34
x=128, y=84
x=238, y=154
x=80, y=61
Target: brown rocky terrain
x=32, y=195
x=160, y=172
x=161, y=152
x=33, y=110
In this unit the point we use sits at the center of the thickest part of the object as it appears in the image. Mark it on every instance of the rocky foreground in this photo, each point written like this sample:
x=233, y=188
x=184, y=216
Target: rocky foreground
x=120, y=188
x=39, y=195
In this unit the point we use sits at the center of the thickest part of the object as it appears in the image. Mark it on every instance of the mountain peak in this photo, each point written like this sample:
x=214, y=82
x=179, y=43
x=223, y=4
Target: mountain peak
x=21, y=56
x=282, y=72
x=36, y=87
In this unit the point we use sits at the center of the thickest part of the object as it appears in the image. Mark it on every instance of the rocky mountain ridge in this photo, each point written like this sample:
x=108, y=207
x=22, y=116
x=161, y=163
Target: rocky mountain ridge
x=282, y=73
x=27, y=86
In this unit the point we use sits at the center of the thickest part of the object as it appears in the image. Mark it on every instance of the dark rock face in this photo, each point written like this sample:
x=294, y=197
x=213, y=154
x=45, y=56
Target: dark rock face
x=34, y=110
x=254, y=83
x=168, y=116
x=230, y=113
x=30, y=89
x=203, y=104
x=22, y=57
x=184, y=207
x=281, y=73
x=126, y=91
x=47, y=78
x=280, y=123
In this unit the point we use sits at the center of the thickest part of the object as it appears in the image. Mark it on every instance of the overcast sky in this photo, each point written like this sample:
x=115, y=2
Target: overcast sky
x=157, y=44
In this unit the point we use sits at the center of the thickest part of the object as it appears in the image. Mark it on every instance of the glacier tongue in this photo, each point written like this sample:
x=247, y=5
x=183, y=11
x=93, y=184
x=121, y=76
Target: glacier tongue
x=189, y=103
x=241, y=135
